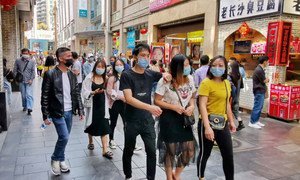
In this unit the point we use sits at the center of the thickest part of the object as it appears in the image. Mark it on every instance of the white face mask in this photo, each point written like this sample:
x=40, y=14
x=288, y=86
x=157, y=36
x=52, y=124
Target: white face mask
x=25, y=56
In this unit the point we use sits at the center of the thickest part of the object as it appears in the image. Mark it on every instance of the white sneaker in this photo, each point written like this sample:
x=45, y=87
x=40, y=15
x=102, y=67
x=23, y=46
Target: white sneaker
x=260, y=124
x=137, y=148
x=256, y=126
x=63, y=167
x=112, y=144
x=55, y=168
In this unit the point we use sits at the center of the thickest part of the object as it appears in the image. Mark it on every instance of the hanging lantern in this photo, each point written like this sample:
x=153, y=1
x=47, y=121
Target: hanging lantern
x=118, y=33
x=144, y=31
x=244, y=30
x=114, y=39
x=8, y=4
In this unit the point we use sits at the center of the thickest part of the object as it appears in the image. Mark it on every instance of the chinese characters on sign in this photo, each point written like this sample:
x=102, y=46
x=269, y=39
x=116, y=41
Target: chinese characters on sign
x=278, y=42
x=238, y=9
x=82, y=6
x=291, y=7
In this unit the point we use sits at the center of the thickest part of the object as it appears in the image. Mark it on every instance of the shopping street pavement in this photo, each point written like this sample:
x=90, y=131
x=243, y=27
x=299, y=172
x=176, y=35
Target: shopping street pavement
x=270, y=153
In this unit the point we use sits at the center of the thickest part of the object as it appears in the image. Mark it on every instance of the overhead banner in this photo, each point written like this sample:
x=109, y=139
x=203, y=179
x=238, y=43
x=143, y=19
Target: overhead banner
x=130, y=39
x=82, y=7
x=239, y=9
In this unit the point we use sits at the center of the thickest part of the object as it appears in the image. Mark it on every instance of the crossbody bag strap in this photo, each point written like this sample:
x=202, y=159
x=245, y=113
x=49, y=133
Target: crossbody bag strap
x=25, y=66
x=226, y=97
x=178, y=97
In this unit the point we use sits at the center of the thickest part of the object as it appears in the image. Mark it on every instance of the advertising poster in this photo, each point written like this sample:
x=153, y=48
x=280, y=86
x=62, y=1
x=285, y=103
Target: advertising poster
x=174, y=49
x=158, y=52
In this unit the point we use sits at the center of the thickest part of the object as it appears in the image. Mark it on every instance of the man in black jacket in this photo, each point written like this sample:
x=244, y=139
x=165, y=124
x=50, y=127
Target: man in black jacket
x=60, y=99
x=259, y=90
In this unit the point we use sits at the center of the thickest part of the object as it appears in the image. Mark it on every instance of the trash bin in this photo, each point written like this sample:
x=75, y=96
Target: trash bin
x=3, y=113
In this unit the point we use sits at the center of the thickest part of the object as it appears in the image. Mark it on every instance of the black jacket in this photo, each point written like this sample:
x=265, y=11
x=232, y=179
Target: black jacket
x=259, y=77
x=52, y=100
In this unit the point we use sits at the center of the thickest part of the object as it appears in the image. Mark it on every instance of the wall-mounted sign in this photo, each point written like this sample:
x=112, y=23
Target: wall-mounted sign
x=156, y=5
x=82, y=7
x=239, y=9
x=278, y=42
x=291, y=7
x=23, y=5
x=130, y=39
x=258, y=48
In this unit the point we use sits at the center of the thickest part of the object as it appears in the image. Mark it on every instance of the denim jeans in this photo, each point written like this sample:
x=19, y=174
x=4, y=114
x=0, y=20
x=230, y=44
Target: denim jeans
x=236, y=101
x=63, y=128
x=7, y=88
x=27, y=95
x=259, y=99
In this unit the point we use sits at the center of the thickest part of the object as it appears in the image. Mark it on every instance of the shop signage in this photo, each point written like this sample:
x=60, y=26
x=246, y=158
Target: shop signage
x=82, y=6
x=195, y=37
x=156, y=5
x=239, y=9
x=278, y=42
x=291, y=7
x=258, y=48
x=130, y=39
x=23, y=5
x=285, y=40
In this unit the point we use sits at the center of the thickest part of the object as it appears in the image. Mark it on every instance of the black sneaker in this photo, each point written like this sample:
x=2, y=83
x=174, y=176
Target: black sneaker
x=24, y=109
x=240, y=127
x=29, y=112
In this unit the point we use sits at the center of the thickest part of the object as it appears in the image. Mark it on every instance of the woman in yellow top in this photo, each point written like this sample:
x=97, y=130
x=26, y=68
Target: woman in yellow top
x=49, y=64
x=214, y=93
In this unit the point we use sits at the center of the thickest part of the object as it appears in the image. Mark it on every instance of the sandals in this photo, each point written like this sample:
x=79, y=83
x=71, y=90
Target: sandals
x=108, y=155
x=91, y=146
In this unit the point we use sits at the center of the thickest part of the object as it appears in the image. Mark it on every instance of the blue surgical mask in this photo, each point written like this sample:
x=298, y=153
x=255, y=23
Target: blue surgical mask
x=119, y=69
x=217, y=72
x=187, y=70
x=143, y=63
x=100, y=71
x=124, y=60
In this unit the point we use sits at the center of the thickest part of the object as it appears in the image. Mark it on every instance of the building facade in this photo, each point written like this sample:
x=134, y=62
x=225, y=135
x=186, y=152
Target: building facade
x=185, y=26
x=125, y=19
x=79, y=25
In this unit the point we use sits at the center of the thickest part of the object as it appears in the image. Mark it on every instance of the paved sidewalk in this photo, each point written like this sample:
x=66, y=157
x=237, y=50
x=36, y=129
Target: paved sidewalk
x=270, y=153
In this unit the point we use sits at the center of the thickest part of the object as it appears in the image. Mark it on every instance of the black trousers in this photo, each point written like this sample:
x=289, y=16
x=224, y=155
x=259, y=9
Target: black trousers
x=224, y=141
x=116, y=109
x=145, y=128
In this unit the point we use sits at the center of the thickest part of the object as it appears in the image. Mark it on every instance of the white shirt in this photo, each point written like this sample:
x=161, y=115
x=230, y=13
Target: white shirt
x=77, y=66
x=67, y=92
x=169, y=94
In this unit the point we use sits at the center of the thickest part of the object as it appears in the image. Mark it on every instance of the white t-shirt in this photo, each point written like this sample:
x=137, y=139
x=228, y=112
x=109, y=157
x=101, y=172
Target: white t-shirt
x=77, y=66
x=67, y=92
x=169, y=94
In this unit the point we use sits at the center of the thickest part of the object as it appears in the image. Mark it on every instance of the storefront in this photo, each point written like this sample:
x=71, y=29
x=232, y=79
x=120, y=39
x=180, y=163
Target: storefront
x=250, y=36
x=174, y=30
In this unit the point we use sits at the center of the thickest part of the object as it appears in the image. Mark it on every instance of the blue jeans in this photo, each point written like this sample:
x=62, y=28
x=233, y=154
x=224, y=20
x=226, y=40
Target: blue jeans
x=259, y=99
x=7, y=88
x=63, y=128
x=27, y=95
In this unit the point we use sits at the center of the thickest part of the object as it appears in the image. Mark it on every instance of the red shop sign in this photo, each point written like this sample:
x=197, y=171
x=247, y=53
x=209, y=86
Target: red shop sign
x=272, y=39
x=278, y=42
x=285, y=40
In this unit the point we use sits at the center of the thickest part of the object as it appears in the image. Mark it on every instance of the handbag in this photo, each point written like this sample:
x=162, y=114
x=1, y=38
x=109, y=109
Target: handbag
x=218, y=122
x=19, y=76
x=187, y=120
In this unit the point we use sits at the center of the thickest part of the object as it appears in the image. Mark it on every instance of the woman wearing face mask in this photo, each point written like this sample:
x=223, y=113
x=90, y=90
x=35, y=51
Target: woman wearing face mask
x=116, y=99
x=93, y=87
x=214, y=93
x=176, y=99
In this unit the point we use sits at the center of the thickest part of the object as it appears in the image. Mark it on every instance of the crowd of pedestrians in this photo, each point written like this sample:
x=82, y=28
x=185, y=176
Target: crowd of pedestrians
x=141, y=91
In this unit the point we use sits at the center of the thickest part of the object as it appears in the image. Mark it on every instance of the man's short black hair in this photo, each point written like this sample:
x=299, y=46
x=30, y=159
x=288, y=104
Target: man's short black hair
x=204, y=60
x=262, y=59
x=232, y=58
x=138, y=48
x=60, y=51
x=24, y=50
x=74, y=55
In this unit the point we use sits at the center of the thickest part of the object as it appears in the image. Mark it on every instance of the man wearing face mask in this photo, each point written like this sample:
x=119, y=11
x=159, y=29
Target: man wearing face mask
x=88, y=65
x=59, y=101
x=259, y=90
x=124, y=59
x=24, y=68
x=136, y=84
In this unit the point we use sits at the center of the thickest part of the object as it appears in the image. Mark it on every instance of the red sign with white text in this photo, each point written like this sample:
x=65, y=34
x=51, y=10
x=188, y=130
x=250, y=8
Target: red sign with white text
x=272, y=39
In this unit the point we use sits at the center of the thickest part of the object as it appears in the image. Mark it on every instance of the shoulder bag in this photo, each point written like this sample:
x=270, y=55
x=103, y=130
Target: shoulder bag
x=19, y=77
x=188, y=120
x=216, y=121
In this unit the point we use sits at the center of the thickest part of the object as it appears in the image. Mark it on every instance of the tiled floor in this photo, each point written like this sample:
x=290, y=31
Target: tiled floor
x=270, y=153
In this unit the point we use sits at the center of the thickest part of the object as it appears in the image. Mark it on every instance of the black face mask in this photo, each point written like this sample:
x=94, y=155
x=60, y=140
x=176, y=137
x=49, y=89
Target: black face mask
x=69, y=62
